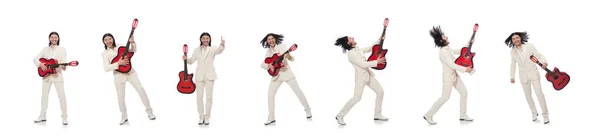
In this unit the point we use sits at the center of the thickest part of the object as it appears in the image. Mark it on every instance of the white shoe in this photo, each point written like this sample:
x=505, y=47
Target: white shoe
x=340, y=120
x=270, y=121
x=64, y=122
x=39, y=120
x=534, y=117
x=465, y=118
x=206, y=121
x=546, y=120
x=151, y=116
x=308, y=115
x=381, y=118
x=123, y=121
x=429, y=120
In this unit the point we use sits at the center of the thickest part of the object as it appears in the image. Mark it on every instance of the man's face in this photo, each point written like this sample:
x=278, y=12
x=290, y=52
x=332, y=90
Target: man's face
x=53, y=39
x=351, y=41
x=445, y=39
x=516, y=39
x=205, y=40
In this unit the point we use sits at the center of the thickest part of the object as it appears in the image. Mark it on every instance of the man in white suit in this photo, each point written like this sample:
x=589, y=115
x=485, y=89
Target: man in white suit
x=205, y=74
x=528, y=72
x=120, y=78
x=53, y=50
x=272, y=42
x=363, y=76
x=450, y=77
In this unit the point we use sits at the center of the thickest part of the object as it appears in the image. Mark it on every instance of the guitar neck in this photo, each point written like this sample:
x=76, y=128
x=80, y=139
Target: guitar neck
x=471, y=43
x=185, y=71
x=381, y=42
x=279, y=59
x=547, y=70
x=128, y=43
x=56, y=65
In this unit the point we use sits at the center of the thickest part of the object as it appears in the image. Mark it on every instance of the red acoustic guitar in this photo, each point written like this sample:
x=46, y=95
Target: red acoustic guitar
x=52, y=64
x=123, y=52
x=559, y=79
x=466, y=56
x=186, y=83
x=378, y=51
x=277, y=61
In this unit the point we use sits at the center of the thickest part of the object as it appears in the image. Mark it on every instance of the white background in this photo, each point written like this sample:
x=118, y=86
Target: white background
x=566, y=33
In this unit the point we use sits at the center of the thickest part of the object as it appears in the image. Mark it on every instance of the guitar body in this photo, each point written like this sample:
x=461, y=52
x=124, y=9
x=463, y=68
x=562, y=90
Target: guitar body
x=123, y=68
x=561, y=80
x=186, y=86
x=276, y=67
x=374, y=57
x=49, y=70
x=464, y=59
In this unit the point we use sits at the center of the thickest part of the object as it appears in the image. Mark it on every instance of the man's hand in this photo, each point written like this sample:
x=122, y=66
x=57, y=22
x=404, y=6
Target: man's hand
x=184, y=57
x=43, y=66
x=512, y=81
x=544, y=65
x=381, y=60
x=123, y=62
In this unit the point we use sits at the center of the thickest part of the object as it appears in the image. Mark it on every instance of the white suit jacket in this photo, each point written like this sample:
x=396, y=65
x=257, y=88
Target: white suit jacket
x=362, y=68
x=60, y=54
x=205, y=68
x=285, y=73
x=107, y=57
x=449, y=67
x=527, y=68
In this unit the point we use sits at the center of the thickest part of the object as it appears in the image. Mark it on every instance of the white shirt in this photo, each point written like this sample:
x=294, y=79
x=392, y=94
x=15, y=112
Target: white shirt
x=57, y=52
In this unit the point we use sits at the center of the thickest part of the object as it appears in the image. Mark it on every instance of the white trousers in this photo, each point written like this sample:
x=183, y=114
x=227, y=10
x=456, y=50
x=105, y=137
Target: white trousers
x=446, y=90
x=60, y=89
x=538, y=93
x=358, y=92
x=135, y=82
x=274, y=86
x=200, y=87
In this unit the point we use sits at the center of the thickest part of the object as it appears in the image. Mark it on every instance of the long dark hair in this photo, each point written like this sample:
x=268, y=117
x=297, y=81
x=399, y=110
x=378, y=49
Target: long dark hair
x=524, y=37
x=108, y=35
x=53, y=33
x=206, y=34
x=343, y=42
x=278, y=39
x=437, y=33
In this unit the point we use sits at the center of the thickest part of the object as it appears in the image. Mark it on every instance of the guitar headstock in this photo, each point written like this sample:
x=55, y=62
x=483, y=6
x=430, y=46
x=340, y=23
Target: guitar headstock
x=385, y=22
x=293, y=47
x=475, y=27
x=534, y=59
x=74, y=63
x=135, y=23
x=185, y=48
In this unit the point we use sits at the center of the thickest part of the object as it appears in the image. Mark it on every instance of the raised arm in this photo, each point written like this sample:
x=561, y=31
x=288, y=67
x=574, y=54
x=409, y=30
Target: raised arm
x=447, y=60
x=133, y=47
x=356, y=59
x=220, y=49
x=107, y=65
x=193, y=59
x=369, y=49
x=289, y=57
x=36, y=59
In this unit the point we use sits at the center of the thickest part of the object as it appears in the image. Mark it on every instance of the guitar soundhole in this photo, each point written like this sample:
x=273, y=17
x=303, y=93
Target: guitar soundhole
x=185, y=87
